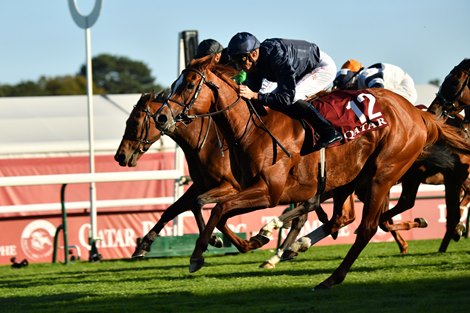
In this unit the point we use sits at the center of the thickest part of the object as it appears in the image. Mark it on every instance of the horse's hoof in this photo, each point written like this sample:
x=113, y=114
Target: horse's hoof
x=139, y=254
x=196, y=264
x=422, y=223
x=459, y=231
x=404, y=250
x=259, y=240
x=301, y=245
x=334, y=235
x=321, y=286
x=216, y=241
x=288, y=255
x=267, y=265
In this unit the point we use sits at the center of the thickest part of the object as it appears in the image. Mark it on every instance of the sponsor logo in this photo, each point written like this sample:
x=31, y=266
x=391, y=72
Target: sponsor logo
x=37, y=239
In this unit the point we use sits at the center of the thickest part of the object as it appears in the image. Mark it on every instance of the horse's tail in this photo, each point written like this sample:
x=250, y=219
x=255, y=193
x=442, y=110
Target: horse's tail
x=442, y=134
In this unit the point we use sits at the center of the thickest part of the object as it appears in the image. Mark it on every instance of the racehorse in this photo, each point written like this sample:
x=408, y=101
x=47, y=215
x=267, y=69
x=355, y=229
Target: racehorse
x=205, y=170
x=267, y=152
x=453, y=96
x=208, y=165
x=454, y=93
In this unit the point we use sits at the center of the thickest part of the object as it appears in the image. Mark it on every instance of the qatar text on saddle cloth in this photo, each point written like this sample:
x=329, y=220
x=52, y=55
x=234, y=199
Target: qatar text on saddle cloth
x=352, y=112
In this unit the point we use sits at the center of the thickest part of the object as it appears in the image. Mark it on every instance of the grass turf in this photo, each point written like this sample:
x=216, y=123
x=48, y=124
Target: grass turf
x=381, y=280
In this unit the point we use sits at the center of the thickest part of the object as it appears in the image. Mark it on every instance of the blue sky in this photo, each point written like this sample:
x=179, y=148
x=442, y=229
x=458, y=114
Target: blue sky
x=424, y=37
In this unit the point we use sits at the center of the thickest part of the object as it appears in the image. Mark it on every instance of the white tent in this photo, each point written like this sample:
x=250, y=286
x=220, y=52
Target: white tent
x=59, y=124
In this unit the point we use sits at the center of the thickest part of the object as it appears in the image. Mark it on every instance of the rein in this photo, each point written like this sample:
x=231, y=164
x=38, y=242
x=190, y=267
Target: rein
x=215, y=90
x=252, y=109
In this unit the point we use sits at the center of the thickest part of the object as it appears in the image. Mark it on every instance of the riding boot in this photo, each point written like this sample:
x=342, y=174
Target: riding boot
x=328, y=134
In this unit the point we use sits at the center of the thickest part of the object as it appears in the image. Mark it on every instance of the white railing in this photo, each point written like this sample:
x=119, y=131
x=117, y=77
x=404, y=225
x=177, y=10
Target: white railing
x=62, y=179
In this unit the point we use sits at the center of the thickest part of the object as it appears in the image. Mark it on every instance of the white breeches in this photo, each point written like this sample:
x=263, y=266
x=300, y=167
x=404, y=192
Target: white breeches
x=321, y=78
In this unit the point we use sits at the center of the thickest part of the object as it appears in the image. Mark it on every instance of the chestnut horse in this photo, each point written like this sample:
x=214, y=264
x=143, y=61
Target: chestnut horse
x=452, y=97
x=208, y=164
x=267, y=153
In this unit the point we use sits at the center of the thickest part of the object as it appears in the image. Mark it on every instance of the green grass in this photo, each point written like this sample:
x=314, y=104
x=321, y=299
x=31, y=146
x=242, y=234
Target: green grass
x=380, y=281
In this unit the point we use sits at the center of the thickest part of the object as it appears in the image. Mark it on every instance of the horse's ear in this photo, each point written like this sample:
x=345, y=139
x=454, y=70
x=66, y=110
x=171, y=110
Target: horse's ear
x=152, y=95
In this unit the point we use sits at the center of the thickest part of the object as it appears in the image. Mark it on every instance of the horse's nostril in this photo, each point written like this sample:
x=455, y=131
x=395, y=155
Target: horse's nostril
x=162, y=119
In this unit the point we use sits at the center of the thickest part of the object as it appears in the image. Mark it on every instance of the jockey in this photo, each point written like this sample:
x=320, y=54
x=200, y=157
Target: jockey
x=213, y=47
x=380, y=75
x=298, y=67
x=208, y=47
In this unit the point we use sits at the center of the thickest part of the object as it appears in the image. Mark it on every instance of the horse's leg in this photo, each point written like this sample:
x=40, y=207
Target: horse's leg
x=410, y=183
x=462, y=227
x=453, y=184
x=186, y=201
x=294, y=231
x=217, y=194
x=343, y=214
x=401, y=242
x=377, y=190
x=370, y=219
x=253, y=198
x=241, y=244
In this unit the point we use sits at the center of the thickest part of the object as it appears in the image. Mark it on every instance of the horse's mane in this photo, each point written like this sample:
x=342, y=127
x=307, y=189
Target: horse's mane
x=223, y=71
x=465, y=64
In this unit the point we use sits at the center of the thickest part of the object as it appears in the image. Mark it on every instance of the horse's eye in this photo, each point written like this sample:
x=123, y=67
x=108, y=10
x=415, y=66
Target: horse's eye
x=190, y=86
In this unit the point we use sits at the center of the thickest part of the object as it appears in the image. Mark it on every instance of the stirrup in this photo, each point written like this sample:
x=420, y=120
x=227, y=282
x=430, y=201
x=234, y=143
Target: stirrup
x=337, y=137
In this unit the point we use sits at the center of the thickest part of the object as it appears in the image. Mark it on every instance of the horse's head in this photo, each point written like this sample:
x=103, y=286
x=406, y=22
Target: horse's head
x=194, y=94
x=140, y=131
x=454, y=93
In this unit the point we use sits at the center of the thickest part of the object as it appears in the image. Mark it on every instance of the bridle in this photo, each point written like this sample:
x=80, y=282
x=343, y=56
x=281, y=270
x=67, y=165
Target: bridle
x=450, y=104
x=184, y=116
x=143, y=139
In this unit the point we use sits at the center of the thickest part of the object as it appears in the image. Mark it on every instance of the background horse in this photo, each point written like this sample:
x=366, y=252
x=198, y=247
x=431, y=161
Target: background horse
x=453, y=96
x=269, y=176
x=140, y=133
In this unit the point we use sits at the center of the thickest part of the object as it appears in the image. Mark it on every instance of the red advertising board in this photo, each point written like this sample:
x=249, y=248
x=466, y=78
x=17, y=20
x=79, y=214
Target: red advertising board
x=31, y=235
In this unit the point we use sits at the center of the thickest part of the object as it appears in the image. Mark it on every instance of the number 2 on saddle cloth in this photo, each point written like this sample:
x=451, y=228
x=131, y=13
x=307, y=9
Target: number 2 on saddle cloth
x=351, y=112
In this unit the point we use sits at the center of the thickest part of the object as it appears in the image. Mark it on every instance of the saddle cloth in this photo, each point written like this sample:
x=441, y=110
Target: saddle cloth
x=352, y=112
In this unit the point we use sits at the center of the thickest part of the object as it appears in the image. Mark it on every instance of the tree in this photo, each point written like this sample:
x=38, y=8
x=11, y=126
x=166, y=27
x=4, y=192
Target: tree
x=435, y=82
x=118, y=74
x=22, y=89
x=66, y=85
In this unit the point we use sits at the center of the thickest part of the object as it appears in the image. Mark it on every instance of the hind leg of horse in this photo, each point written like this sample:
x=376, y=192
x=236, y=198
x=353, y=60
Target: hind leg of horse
x=283, y=253
x=453, y=185
x=280, y=255
x=376, y=197
x=410, y=184
x=241, y=244
x=343, y=214
x=368, y=227
x=186, y=201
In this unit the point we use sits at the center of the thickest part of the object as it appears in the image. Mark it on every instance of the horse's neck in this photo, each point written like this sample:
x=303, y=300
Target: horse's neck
x=198, y=139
